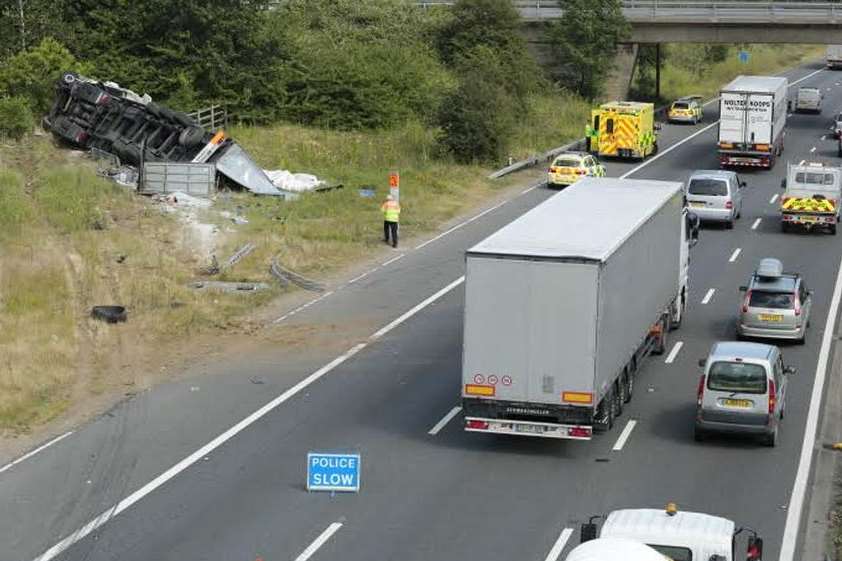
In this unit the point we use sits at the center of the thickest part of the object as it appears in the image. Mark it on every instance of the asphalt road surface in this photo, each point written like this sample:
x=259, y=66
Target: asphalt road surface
x=213, y=467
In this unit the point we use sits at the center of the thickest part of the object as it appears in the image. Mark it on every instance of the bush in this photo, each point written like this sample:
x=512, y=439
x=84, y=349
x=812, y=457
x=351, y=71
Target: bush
x=32, y=73
x=477, y=120
x=15, y=117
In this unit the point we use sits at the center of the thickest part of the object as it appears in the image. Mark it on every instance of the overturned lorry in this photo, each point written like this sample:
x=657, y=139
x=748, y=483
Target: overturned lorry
x=90, y=114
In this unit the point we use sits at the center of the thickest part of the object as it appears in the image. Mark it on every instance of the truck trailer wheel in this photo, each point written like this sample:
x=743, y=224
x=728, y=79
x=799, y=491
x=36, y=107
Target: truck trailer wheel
x=618, y=397
x=604, y=421
x=832, y=229
x=627, y=385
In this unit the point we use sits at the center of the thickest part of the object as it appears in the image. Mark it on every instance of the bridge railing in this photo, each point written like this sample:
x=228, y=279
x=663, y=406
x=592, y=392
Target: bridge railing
x=741, y=11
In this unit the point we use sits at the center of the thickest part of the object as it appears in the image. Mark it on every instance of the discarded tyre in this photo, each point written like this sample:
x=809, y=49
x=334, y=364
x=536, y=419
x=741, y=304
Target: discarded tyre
x=191, y=136
x=109, y=314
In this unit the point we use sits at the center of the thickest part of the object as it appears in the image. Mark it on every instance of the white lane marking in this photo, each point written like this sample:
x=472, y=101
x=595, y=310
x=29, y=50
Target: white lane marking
x=303, y=307
x=813, y=149
x=362, y=276
x=319, y=542
x=674, y=352
x=624, y=436
x=559, y=544
x=799, y=488
x=444, y=420
x=756, y=224
x=801, y=163
x=468, y=221
x=734, y=255
x=176, y=469
x=41, y=448
x=528, y=189
x=393, y=259
x=773, y=199
x=708, y=295
x=824, y=137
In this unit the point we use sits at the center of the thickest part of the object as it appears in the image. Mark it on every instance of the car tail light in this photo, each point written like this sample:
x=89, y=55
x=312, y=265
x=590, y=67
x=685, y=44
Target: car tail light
x=81, y=137
x=581, y=172
x=773, y=396
x=700, y=392
x=746, y=301
x=729, y=204
x=476, y=424
x=797, y=306
x=580, y=432
x=762, y=147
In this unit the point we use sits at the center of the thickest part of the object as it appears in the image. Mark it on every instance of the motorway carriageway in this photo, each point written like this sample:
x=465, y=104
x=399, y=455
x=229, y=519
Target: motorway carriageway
x=223, y=478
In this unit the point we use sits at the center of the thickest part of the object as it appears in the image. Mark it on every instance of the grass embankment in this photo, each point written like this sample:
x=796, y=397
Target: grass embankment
x=685, y=74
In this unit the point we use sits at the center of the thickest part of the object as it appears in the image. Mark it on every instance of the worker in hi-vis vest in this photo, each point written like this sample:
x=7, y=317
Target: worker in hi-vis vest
x=391, y=215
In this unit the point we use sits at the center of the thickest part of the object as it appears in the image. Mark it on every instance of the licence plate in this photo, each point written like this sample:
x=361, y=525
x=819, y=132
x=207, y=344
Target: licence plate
x=565, y=171
x=807, y=218
x=771, y=317
x=529, y=428
x=741, y=403
x=697, y=204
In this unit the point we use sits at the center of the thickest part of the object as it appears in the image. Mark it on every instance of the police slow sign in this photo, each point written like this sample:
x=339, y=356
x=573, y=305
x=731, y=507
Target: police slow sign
x=333, y=472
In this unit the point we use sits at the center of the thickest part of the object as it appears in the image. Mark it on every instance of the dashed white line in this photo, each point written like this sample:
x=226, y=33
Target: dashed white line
x=674, y=352
x=393, y=259
x=468, y=221
x=362, y=276
x=41, y=448
x=668, y=150
x=559, y=544
x=624, y=435
x=444, y=420
x=773, y=199
x=824, y=137
x=734, y=255
x=756, y=224
x=813, y=149
x=100, y=520
x=708, y=295
x=799, y=488
x=319, y=542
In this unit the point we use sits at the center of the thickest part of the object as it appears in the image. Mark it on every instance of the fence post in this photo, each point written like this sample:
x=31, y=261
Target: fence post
x=213, y=118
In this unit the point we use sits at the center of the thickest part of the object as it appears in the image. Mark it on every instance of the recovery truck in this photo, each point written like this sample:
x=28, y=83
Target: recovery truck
x=812, y=192
x=614, y=549
x=752, y=120
x=677, y=535
x=563, y=305
x=623, y=129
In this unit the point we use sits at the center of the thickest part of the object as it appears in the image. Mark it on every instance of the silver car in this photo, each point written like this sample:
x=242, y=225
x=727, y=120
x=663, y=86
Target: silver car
x=742, y=390
x=776, y=305
x=716, y=196
x=809, y=99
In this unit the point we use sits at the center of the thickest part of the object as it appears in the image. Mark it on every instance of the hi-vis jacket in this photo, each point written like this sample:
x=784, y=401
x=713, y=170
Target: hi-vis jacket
x=391, y=211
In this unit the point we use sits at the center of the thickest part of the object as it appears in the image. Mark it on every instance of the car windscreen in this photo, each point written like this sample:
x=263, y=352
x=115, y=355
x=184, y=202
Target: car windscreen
x=774, y=300
x=741, y=377
x=715, y=187
x=567, y=162
x=681, y=105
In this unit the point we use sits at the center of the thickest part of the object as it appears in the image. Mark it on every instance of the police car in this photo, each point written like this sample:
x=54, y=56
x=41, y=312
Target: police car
x=686, y=110
x=570, y=167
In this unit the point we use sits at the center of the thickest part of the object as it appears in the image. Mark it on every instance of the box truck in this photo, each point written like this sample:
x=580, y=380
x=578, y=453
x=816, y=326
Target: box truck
x=833, y=56
x=563, y=304
x=752, y=120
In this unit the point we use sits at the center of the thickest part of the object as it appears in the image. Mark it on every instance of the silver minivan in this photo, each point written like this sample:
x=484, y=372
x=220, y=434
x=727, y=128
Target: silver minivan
x=742, y=390
x=716, y=196
x=809, y=99
x=776, y=305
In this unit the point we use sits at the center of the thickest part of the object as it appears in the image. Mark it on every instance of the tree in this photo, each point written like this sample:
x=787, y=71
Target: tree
x=477, y=119
x=584, y=40
x=496, y=26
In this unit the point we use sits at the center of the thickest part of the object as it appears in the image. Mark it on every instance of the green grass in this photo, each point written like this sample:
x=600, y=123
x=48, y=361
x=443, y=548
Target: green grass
x=679, y=79
x=553, y=120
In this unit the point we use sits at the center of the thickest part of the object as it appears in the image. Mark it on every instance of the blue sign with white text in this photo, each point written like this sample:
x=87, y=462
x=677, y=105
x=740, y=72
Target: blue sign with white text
x=333, y=472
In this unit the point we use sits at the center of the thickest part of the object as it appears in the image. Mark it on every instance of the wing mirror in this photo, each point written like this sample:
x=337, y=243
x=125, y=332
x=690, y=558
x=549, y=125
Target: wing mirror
x=755, y=548
x=587, y=533
x=743, y=288
x=783, y=183
x=790, y=370
x=702, y=362
x=743, y=184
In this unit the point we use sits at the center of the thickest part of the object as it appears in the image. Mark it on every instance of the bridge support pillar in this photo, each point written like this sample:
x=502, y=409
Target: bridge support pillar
x=657, y=71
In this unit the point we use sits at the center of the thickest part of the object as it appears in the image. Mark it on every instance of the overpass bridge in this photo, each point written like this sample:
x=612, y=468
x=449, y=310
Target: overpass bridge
x=747, y=21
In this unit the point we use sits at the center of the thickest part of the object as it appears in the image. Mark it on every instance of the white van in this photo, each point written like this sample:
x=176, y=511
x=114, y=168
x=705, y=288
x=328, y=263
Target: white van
x=809, y=99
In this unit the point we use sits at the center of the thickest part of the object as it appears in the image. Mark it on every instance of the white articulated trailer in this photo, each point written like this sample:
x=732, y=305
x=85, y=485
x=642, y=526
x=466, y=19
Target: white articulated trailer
x=752, y=119
x=563, y=304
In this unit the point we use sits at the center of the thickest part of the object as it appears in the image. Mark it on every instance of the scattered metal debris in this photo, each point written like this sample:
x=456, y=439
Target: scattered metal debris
x=285, y=276
x=230, y=286
x=238, y=255
x=110, y=314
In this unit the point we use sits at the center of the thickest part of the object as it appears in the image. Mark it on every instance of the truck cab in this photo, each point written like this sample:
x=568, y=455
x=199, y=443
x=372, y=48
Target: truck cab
x=812, y=193
x=678, y=535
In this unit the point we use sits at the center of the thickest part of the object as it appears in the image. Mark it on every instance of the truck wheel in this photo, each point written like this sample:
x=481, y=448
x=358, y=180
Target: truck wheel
x=604, y=421
x=784, y=227
x=832, y=229
x=628, y=386
x=618, y=398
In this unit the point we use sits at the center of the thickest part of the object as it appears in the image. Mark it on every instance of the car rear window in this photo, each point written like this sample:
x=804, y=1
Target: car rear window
x=775, y=300
x=741, y=377
x=567, y=162
x=715, y=187
x=681, y=105
x=814, y=178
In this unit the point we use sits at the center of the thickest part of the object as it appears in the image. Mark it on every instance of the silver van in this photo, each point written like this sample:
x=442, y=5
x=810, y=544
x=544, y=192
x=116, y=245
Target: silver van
x=776, y=305
x=742, y=390
x=716, y=196
x=809, y=99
